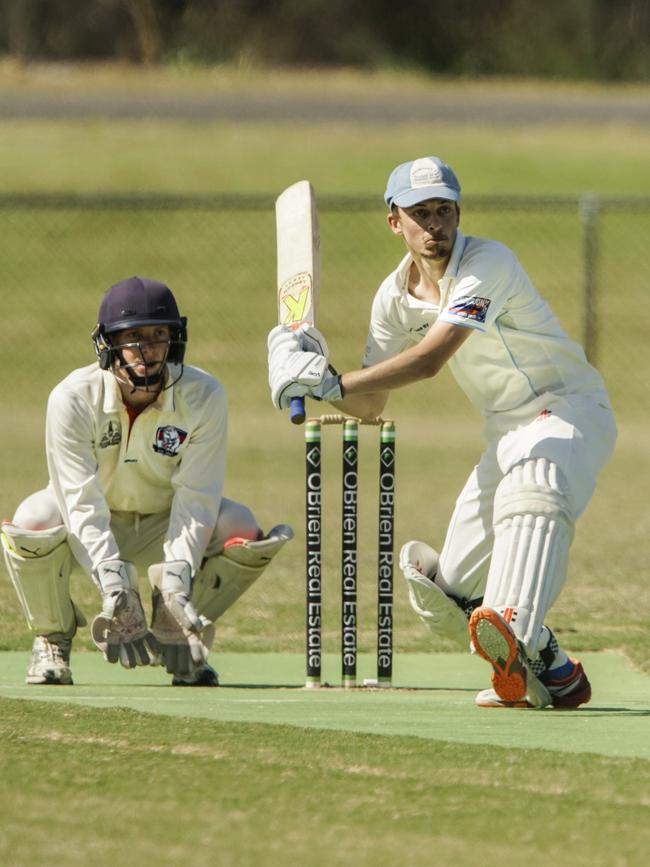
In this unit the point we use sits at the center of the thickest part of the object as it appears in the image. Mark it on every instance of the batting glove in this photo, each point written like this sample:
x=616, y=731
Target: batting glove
x=329, y=388
x=282, y=341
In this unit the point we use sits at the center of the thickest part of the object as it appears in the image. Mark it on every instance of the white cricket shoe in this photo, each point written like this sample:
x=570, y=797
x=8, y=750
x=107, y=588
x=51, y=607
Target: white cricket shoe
x=50, y=662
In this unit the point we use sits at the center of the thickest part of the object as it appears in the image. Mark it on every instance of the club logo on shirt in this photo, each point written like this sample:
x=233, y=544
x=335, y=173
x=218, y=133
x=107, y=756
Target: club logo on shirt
x=470, y=307
x=111, y=435
x=169, y=439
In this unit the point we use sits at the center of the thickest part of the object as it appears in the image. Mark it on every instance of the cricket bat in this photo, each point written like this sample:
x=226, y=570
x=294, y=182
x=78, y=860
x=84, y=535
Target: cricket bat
x=298, y=259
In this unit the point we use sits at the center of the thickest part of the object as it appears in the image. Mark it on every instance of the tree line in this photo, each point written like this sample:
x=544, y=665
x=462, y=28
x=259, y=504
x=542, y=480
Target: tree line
x=606, y=40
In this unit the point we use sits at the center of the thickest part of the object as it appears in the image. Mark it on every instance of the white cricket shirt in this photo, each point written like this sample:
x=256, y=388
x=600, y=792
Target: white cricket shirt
x=173, y=459
x=519, y=356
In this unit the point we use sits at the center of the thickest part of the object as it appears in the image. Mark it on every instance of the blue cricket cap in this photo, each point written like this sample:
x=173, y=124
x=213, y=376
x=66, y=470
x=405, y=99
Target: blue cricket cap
x=419, y=180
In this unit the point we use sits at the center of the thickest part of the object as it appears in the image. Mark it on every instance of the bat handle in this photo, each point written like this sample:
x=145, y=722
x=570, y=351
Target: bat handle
x=297, y=411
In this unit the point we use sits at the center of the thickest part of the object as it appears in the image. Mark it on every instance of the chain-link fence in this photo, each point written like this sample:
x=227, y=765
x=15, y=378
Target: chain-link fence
x=589, y=258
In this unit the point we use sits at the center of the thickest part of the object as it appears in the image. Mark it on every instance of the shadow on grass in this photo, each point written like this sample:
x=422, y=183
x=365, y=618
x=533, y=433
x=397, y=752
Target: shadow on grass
x=624, y=711
x=329, y=687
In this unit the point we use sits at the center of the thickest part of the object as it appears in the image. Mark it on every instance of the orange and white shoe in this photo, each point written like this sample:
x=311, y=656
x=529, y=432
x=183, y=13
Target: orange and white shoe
x=513, y=681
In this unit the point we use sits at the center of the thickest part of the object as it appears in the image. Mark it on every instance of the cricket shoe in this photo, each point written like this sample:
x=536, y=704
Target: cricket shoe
x=569, y=685
x=567, y=693
x=205, y=676
x=513, y=680
x=50, y=662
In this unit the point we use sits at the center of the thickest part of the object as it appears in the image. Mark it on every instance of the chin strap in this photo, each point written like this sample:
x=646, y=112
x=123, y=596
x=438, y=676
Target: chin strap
x=149, y=383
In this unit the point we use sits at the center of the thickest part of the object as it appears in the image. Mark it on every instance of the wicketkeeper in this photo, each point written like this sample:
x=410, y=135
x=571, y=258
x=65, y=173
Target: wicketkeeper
x=467, y=302
x=136, y=453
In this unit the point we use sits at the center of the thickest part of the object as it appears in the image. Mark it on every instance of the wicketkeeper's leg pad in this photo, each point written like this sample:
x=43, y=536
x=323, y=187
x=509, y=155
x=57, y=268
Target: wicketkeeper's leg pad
x=443, y=616
x=39, y=563
x=533, y=527
x=223, y=578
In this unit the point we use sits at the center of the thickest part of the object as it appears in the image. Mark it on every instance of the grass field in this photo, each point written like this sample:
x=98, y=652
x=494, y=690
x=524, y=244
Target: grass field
x=141, y=789
x=257, y=794
x=322, y=777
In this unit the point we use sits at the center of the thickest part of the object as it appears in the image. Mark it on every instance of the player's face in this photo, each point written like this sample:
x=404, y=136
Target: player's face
x=144, y=348
x=428, y=228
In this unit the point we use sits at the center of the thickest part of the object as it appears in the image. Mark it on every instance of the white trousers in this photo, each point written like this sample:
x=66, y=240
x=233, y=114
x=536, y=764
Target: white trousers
x=578, y=435
x=140, y=537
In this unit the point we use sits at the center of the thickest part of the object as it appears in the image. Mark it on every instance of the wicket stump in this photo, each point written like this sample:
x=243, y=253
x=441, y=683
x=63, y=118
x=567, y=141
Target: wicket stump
x=349, y=548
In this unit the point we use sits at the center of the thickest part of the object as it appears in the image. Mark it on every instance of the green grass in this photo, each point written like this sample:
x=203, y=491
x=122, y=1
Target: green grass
x=256, y=158
x=129, y=788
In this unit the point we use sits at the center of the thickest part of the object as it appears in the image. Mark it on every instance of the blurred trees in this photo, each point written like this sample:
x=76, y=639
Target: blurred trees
x=597, y=39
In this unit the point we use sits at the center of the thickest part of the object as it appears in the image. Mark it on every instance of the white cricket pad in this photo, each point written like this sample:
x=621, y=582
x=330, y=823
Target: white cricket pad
x=225, y=577
x=533, y=529
x=419, y=564
x=39, y=563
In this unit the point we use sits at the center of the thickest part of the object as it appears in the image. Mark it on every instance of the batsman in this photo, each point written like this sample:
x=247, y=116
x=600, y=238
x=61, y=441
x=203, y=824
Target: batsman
x=467, y=302
x=136, y=452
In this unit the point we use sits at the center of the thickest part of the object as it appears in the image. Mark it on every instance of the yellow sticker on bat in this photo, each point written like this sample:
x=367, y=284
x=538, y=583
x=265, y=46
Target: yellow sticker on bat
x=295, y=295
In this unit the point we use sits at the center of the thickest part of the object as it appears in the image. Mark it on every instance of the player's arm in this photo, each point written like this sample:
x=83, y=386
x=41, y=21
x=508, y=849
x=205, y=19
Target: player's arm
x=301, y=372
x=364, y=406
x=198, y=483
x=418, y=362
x=73, y=471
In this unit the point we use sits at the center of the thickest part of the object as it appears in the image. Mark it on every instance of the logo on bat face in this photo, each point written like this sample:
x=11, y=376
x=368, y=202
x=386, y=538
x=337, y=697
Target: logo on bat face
x=294, y=298
x=169, y=439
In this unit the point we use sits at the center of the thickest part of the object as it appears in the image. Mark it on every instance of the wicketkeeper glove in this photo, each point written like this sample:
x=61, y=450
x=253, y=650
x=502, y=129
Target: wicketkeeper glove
x=120, y=630
x=184, y=637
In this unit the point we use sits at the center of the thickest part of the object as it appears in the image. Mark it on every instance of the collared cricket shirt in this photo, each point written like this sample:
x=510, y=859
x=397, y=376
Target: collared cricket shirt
x=172, y=458
x=519, y=355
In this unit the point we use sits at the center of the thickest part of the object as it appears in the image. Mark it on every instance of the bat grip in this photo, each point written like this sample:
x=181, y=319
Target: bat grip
x=297, y=410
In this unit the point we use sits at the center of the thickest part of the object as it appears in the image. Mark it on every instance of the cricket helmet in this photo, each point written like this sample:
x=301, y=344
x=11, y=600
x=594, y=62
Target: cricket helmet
x=134, y=302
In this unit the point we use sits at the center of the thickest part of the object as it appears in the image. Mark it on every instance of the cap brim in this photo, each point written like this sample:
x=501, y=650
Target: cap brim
x=421, y=194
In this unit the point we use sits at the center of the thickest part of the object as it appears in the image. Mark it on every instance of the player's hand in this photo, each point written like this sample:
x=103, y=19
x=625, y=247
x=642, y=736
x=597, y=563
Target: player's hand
x=120, y=630
x=184, y=636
